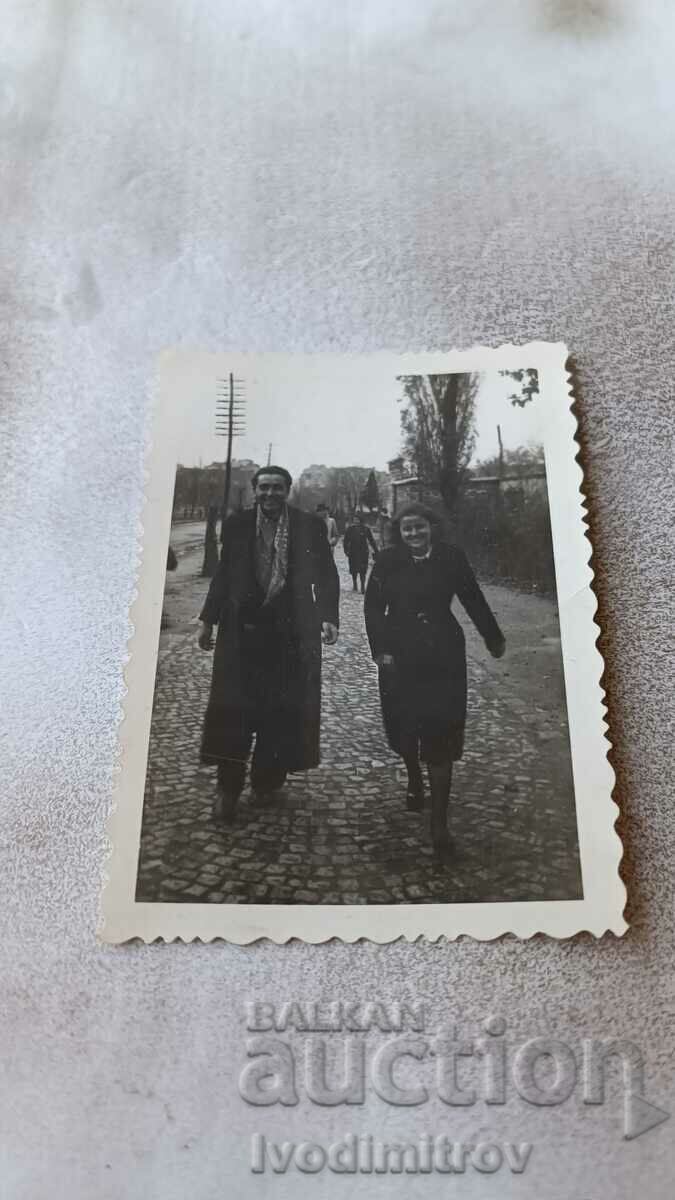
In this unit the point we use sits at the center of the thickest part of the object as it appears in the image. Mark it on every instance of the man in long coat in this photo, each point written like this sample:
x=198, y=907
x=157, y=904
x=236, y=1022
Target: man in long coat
x=274, y=598
x=356, y=543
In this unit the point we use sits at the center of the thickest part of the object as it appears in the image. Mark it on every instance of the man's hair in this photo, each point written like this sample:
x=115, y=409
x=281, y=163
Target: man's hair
x=288, y=479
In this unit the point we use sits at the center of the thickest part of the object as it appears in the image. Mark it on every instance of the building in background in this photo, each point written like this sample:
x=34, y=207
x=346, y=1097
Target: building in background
x=406, y=485
x=344, y=490
x=197, y=488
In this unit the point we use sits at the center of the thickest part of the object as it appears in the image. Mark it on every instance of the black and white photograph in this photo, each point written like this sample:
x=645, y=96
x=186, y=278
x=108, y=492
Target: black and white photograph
x=360, y=695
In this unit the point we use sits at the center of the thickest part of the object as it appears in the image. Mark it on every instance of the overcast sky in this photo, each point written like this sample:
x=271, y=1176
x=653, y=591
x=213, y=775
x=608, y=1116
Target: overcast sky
x=340, y=411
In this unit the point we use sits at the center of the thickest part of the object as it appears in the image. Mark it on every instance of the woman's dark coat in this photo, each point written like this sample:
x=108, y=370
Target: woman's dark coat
x=408, y=615
x=358, y=538
x=267, y=660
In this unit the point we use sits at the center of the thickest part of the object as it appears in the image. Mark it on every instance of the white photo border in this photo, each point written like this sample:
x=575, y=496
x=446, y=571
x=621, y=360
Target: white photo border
x=604, y=894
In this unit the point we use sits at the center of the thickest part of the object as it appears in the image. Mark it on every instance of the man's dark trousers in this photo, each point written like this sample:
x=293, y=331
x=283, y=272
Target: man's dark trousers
x=266, y=773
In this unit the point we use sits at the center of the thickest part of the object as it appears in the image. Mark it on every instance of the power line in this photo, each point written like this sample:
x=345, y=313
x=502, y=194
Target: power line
x=230, y=423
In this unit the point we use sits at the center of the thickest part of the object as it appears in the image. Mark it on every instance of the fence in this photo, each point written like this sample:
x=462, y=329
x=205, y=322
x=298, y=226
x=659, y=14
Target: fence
x=505, y=529
x=503, y=524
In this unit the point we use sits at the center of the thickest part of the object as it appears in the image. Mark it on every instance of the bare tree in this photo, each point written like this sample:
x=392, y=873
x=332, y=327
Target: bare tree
x=345, y=486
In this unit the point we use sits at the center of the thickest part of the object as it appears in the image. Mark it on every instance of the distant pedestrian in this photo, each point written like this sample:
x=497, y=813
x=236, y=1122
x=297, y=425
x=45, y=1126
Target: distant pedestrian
x=384, y=529
x=357, y=541
x=330, y=523
x=274, y=598
x=419, y=648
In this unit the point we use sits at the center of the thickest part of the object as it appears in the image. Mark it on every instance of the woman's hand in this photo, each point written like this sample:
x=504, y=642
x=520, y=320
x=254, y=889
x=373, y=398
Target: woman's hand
x=205, y=639
x=497, y=649
x=385, y=660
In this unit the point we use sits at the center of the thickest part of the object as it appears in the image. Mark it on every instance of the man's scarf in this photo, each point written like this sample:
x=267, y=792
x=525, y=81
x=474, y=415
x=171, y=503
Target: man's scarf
x=279, y=552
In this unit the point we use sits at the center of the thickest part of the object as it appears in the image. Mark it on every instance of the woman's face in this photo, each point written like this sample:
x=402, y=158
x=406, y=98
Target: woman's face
x=416, y=533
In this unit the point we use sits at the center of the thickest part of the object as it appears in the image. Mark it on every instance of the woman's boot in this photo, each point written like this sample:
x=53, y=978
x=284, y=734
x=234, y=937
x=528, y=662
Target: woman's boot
x=440, y=779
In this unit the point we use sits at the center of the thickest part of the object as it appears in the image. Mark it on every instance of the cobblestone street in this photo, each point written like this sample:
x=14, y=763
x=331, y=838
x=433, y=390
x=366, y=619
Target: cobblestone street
x=341, y=833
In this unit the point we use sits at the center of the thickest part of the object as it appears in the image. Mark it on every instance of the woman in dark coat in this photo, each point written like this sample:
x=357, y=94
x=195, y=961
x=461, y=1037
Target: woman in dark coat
x=418, y=646
x=356, y=542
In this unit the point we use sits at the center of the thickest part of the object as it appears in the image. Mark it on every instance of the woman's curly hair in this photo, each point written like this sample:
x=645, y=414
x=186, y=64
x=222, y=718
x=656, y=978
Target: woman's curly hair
x=416, y=509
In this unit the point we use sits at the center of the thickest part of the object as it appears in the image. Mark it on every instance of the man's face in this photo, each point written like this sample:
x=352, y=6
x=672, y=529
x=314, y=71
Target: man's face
x=270, y=493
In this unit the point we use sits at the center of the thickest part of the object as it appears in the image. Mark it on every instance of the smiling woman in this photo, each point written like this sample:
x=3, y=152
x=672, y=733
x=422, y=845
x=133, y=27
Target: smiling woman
x=419, y=648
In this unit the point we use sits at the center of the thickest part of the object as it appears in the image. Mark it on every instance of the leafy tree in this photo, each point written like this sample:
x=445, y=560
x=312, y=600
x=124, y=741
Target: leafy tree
x=528, y=379
x=370, y=496
x=520, y=461
x=438, y=429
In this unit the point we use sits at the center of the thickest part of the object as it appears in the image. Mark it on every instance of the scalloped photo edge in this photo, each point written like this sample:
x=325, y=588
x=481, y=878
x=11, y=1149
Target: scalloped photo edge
x=601, y=907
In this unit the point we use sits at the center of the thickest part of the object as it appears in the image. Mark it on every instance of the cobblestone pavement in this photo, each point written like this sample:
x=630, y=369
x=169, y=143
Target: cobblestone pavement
x=341, y=833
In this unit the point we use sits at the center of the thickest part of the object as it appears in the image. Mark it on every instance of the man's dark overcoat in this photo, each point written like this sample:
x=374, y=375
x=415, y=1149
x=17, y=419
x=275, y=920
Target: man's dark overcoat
x=356, y=543
x=408, y=615
x=267, y=659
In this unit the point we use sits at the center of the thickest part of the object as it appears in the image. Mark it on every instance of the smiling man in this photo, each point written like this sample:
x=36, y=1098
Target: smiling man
x=274, y=599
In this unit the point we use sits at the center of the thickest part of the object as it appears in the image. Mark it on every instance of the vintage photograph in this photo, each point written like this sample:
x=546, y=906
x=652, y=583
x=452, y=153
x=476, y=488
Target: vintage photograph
x=359, y=693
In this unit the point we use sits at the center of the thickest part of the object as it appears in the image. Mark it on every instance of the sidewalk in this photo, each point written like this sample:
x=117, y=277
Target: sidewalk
x=342, y=833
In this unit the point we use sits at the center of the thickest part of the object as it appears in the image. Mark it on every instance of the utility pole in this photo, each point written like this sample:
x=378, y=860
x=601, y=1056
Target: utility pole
x=269, y=454
x=230, y=424
x=230, y=413
x=500, y=471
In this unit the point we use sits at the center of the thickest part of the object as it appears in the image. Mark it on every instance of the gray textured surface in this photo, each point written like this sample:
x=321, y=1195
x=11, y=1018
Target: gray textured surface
x=300, y=176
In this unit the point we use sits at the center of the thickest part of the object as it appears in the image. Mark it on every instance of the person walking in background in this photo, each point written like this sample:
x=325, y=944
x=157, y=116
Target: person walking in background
x=274, y=598
x=357, y=541
x=330, y=523
x=384, y=528
x=419, y=648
